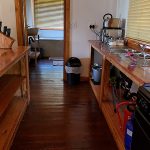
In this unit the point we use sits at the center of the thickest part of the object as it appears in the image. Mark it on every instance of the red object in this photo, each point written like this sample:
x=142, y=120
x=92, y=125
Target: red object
x=127, y=114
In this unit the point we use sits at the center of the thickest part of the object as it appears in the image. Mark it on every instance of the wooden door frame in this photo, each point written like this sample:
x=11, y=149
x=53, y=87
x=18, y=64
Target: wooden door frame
x=21, y=32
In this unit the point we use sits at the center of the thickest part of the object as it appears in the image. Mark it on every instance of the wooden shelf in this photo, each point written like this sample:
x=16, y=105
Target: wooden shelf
x=9, y=57
x=112, y=121
x=10, y=122
x=112, y=118
x=96, y=90
x=8, y=86
x=14, y=80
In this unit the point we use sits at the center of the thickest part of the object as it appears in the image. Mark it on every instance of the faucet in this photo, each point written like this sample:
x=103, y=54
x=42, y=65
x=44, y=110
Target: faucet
x=143, y=53
x=143, y=47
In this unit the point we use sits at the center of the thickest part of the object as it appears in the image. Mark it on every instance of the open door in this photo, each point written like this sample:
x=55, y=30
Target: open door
x=20, y=6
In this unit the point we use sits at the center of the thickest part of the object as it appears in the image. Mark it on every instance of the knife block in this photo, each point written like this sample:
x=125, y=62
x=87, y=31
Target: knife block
x=5, y=41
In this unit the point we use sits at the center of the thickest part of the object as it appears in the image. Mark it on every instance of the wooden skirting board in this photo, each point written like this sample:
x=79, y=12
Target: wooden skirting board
x=82, y=79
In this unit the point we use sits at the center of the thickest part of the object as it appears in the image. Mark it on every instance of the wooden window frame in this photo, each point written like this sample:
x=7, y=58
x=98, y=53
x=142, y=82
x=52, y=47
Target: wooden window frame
x=21, y=29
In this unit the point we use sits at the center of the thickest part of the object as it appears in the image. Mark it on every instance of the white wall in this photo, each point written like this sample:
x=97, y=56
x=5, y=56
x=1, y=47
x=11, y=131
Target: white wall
x=8, y=17
x=122, y=9
x=84, y=13
x=29, y=13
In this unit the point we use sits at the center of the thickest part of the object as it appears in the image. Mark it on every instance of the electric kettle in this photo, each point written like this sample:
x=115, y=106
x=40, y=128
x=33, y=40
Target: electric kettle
x=106, y=20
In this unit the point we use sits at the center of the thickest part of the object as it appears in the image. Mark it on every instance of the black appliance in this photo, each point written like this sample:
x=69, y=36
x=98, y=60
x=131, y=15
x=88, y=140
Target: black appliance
x=143, y=100
x=141, y=127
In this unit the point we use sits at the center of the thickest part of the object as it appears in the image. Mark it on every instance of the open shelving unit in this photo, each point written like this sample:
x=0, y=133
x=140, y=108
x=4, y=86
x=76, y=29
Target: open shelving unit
x=14, y=92
x=112, y=121
x=14, y=89
x=138, y=75
x=96, y=90
x=103, y=94
x=112, y=118
x=8, y=86
x=95, y=58
x=10, y=121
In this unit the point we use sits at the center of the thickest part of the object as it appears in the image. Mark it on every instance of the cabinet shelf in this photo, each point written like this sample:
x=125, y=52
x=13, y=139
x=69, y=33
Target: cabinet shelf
x=8, y=86
x=96, y=90
x=10, y=121
x=14, y=92
x=112, y=121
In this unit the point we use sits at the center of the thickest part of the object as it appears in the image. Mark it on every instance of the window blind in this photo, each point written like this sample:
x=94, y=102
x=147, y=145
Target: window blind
x=49, y=14
x=138, y=24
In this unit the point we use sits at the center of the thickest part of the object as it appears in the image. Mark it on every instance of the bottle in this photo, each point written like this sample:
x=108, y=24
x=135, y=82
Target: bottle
x=5, y=30
x=128, y=134
x=0, y=26
x=8, y=32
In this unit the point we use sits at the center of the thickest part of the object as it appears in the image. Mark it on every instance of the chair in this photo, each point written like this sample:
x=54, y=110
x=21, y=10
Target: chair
x=33, y=40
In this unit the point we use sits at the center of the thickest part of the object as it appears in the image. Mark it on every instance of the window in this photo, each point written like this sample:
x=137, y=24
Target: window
x=49, y=14
x=138, y=26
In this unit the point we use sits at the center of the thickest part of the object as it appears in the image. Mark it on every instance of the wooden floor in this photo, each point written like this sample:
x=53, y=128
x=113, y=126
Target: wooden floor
x=61, y=117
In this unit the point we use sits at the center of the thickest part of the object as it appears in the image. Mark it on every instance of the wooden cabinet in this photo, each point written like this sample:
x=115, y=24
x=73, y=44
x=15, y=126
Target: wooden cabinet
x=14, y=92
x=103, y=93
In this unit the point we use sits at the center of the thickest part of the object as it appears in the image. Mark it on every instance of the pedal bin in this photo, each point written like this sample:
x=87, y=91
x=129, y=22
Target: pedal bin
x=72, y=68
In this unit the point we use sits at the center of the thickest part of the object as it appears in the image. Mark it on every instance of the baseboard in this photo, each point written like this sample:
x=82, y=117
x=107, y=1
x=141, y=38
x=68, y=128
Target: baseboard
x=83, y=79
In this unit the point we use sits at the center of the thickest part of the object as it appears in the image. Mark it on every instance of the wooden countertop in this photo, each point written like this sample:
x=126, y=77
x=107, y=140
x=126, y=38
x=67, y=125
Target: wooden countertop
x=8, y=57
x=137, y=74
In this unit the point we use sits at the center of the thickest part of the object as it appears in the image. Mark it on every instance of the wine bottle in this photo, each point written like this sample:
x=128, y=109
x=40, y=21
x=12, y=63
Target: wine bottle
x=0, y=26
x=5, y=30
x=8, y=32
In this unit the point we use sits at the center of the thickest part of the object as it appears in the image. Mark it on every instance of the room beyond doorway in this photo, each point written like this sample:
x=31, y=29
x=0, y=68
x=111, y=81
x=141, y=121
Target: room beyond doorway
x=48, y=17
x=20, y=22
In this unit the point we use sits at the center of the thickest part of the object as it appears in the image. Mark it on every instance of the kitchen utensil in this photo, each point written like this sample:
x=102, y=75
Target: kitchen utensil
x=106, y=19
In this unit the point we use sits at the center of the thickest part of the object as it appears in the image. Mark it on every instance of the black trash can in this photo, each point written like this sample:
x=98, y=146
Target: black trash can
x=72, y=68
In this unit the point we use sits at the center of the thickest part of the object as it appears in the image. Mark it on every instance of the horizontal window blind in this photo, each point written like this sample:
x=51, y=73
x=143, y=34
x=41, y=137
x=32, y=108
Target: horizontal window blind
x=138, y=24
x=49, y=14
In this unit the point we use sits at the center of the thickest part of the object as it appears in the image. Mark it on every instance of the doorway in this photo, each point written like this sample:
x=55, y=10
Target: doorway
x=21, y=29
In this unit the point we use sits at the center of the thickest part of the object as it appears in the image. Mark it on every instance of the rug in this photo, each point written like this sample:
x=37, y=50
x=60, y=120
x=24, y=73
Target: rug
x=58, y=62
x=56, y=58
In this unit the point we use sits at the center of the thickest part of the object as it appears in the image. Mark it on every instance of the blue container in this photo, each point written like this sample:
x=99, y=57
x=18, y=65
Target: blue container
x=128, y=134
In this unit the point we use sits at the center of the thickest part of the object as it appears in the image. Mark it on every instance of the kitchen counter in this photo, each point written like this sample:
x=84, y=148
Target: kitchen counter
x=135, y=72
x=131, y=66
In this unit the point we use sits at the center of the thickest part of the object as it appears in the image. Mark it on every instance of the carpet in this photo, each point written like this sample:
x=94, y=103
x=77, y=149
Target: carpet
x=58, y=62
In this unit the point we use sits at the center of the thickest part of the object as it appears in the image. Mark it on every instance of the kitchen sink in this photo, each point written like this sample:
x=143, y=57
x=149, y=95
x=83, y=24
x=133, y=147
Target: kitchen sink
x=122, y=50
x=135, y=58
x=141, y=56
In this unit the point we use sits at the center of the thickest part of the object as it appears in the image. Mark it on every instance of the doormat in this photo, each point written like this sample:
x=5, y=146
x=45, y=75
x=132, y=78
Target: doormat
x=56, y=58
x=58, y=62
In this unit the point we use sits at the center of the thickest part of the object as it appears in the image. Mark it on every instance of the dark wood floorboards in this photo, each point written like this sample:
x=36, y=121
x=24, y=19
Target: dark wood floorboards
x=61, y=117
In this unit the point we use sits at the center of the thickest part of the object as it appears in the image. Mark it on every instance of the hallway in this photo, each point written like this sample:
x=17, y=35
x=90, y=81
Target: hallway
x=61, y=117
